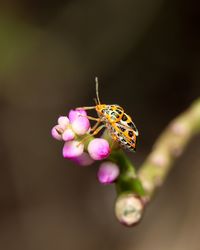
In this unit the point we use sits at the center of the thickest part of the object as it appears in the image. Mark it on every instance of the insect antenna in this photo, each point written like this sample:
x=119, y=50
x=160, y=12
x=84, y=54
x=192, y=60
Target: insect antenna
x=95, y=100
x=97, y=90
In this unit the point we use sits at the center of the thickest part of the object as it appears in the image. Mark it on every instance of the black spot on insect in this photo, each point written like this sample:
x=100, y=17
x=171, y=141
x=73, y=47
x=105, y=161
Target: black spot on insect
x=124, y=118
x=130, y=133
x=112, y=113
x=130, y=124
x=122, y=129
x=119, y=111
x=103, y=111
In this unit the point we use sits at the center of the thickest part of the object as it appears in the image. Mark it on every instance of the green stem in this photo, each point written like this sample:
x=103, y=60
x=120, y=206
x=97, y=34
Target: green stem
x=128, y=181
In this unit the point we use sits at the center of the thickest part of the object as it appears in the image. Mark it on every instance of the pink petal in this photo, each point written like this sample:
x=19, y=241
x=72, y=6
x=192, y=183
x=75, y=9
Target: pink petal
x=99, y=149
x=63, y=121
x=108, y=172
x=68, y=135
x=74, y=113
x=83, y=160
x=80, y=124
x=56, y=132
x=72, y=149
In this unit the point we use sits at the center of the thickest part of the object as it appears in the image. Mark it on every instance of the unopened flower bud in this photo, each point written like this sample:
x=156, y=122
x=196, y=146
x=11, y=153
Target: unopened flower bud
x=99, y=149
x=83, y=160
x=72, y=149
x=68, y=135
x=63, y=121
x=56, y=132
x=79, y=122
x=108, y=172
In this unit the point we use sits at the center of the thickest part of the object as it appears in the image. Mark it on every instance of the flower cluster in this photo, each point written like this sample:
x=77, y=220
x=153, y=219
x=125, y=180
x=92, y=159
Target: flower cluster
x=83, y=149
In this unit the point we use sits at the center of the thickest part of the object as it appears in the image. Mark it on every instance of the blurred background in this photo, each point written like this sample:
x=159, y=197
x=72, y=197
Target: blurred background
x=147, y=57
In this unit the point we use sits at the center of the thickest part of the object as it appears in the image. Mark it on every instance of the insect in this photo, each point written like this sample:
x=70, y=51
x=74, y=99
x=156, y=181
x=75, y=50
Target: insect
x=120, y=125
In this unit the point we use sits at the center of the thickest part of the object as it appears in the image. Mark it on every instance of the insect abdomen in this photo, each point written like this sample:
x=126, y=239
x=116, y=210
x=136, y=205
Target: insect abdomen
x=127, y=121
x=126, y=139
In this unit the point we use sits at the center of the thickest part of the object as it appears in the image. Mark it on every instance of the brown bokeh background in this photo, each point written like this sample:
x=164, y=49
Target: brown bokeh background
x=146, y=55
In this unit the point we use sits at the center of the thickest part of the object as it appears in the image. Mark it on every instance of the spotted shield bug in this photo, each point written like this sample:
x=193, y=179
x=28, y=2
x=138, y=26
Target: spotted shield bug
x=120, y=125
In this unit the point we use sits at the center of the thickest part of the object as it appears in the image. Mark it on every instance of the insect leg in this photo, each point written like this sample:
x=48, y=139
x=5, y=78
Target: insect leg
x=87, y=108
x=95, y=126
x=97, y=130
x=91, y=118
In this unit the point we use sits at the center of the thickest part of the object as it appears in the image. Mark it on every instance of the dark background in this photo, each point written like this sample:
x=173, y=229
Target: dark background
x=146, y=55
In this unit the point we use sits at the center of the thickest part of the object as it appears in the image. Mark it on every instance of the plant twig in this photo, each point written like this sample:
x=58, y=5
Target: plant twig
x=153, y=172
x=168, y=147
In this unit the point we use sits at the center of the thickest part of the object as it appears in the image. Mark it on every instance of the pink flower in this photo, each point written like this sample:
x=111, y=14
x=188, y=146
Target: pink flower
x=56, y=132
x=63, y=121
x=72, y=149
x=79, y=122
x=83, y=160
x=99, y=149
x=59, y=129
x=71, y=130
x=108, y=172
x=68, y=135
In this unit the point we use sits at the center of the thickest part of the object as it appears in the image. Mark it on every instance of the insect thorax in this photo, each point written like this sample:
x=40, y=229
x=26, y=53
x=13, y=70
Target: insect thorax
x=110, y=113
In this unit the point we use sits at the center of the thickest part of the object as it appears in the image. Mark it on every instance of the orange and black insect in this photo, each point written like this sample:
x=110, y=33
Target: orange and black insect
x=120, y=125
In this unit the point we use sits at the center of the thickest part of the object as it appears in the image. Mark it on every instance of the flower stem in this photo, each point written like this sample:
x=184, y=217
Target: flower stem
x=128, y=180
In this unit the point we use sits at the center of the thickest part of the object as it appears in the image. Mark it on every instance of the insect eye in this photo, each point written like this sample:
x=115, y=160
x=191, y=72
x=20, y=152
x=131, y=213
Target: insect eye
x=103, y=111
